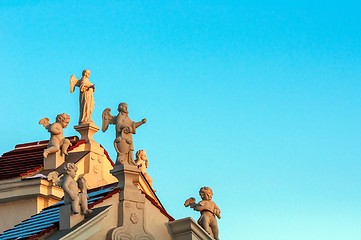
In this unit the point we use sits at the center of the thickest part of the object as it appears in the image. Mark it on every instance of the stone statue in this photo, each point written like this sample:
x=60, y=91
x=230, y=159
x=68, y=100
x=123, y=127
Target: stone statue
x=57, y=141
x=71, y=188
x=86, y=96
x=83, y=195
x=124, y=128
x=208, y=210
x=142, y=162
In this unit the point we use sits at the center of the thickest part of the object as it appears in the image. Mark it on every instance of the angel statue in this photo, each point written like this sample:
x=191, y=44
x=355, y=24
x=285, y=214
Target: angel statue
x=57, y=141
x=124, y=128
x=86, y=98
x=78, y=200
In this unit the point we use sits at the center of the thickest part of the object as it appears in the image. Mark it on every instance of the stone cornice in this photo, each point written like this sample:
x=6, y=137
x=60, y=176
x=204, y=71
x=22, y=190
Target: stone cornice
x=186, y=228
x=30, y=187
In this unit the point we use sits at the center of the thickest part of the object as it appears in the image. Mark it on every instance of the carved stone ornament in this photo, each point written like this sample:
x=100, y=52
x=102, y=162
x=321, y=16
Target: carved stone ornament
x=119, y=234
x=140, y=206
x=134, y=218
x=123, y=236
x=208, y=209
x=96, y=168
x=124, y=129
x=57, y=141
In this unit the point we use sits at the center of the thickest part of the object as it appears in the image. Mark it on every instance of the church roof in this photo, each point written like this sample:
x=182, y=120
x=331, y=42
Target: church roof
x=48, y=219
x=46, y=222
x=12, y=162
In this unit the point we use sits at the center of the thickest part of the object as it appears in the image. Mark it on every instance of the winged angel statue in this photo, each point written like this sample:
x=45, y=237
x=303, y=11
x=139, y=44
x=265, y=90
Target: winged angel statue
x=124, y=128
x=57, y=141
x=86, y=96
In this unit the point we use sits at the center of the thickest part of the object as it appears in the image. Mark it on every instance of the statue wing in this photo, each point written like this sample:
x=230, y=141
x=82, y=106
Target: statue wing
x=45, y=122
x=53, y=177
x=107, y=119
x=73, y=82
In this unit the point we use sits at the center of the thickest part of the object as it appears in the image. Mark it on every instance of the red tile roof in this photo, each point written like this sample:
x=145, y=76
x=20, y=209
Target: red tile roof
x=27, y=158
x=47, y=221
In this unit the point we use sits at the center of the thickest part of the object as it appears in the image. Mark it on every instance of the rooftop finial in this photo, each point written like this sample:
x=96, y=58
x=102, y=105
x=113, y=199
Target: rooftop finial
x=86, y=98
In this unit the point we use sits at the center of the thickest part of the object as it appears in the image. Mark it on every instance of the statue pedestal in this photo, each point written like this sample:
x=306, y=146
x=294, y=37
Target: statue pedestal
x=128, y=176
x=86, y=131
x=187, y=228
x=131, y=206
x=53, y=161
x=68, y=220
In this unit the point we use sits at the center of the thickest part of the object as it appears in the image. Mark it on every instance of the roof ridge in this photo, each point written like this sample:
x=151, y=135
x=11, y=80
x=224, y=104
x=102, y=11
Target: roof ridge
x=41, y=142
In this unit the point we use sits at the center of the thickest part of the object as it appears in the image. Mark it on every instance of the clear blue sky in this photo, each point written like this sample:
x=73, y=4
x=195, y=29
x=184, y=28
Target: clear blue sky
x=260, y=101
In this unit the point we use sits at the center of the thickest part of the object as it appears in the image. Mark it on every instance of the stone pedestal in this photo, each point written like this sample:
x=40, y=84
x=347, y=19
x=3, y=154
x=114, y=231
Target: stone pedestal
x=87, y=131
x=131, y=208
x=53, y=161
x=68, y=220
x=95, y=170
x=187, y=229
x=128, y=176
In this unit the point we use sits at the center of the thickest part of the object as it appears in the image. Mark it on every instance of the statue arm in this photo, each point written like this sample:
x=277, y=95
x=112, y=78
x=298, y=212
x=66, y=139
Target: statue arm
x=199, y=207
x=45, y=122
x=206, y=205
x=85, y=85
x=217, y=211
x=55, y=129
x=135, y=125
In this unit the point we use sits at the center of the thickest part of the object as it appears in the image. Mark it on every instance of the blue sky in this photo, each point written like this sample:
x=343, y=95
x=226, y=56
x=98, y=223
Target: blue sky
x=260, y=101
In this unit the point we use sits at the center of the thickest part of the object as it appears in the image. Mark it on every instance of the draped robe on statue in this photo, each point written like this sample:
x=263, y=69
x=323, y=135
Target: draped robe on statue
x=86, y=101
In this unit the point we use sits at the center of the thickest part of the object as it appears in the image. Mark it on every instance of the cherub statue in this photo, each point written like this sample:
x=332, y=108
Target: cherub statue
x=86, y=96
x=57, y=141
x=208, y=210
x=124, y=128
x=141, y=161
x=71, y=188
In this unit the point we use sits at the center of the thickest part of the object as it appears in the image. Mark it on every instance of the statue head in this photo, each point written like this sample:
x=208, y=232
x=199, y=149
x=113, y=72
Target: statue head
x=123, y=107
x=141, y=155
x=70, y=169
x=86, y=73
x=63, y=119
x=206, y=193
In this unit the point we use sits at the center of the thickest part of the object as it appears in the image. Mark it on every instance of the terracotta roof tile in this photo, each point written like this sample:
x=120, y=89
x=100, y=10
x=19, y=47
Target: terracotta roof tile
x=12, y=162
